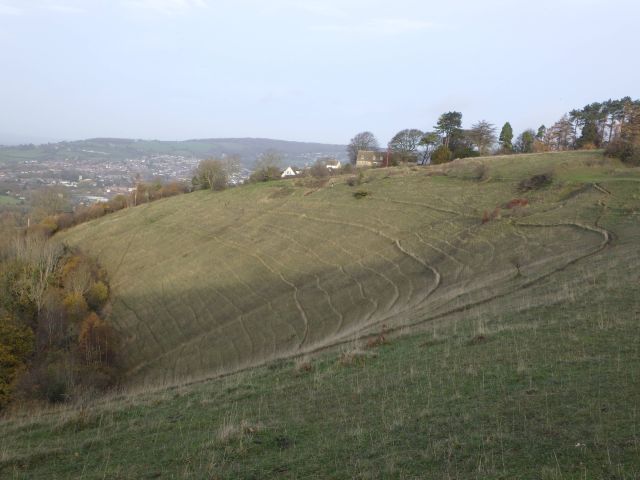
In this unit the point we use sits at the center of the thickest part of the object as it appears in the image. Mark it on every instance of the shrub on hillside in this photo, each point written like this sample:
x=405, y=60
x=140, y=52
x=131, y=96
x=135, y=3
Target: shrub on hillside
x=627, y=144
x=481, y=172
x=355, y=180
x=16, y=344
x=75, y=306
x=97, y=295
x=517, y=202
x=265, y=174
x=464, y=151
x=319, y=170
x=493, y=215
x=628, y=152
x=441, y=155
x=536, y=182
x=347, y=168
x=118, y=202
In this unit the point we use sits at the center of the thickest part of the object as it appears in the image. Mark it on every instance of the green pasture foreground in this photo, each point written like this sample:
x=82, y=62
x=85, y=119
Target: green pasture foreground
x=547, y=393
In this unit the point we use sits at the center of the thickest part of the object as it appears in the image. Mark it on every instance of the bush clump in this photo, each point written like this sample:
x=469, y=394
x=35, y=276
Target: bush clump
x=536, y=182
x=356, y=180
x=441, y=155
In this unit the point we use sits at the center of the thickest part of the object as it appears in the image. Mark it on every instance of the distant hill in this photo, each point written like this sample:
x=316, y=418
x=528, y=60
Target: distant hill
x=118, y=149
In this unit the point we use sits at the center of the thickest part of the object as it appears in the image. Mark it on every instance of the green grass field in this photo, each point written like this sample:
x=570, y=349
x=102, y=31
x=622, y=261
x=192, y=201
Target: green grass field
x=512, y=347
x=7, y=200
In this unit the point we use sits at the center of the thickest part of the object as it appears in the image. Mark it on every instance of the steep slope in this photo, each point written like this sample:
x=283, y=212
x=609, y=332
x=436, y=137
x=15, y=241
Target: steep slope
x=211, y=283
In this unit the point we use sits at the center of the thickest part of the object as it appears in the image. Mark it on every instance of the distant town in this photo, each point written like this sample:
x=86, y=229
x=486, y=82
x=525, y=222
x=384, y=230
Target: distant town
x=91, y=175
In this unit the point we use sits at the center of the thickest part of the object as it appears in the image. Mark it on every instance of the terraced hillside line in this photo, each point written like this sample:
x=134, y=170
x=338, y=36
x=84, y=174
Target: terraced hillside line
x=357, y=225
x=391, y=282
x=605, y=243
x=190, y=342
x=133, y=236
x=318, y=283
x=141, y=323
x=338, y=315
x=372, y=301
x=421, y=205
x=361, y=289
x=443, y=253
x=605, y=233
x=433, y=270
x=301, y=310
x=285, y=234
x=392, y=329
x=395, y=242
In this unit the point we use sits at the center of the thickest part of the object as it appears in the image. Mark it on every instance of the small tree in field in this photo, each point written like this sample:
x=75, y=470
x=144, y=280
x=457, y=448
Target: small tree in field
x=215, y=173
x=267, y=167
x=525, y=141
x=483, y=136
x=319, y=169
x=506, y=138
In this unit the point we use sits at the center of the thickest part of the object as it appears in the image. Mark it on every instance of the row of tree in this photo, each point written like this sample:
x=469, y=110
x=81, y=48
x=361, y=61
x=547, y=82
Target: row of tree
x=612, y=124
x=217, y=173
x=50, y=208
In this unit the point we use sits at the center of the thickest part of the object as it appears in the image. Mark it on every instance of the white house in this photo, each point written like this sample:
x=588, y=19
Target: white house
x=334, y=164
x=289, y=172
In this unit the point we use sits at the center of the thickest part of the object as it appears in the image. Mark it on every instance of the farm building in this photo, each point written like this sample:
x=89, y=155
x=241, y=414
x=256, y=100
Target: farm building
x=370, y=158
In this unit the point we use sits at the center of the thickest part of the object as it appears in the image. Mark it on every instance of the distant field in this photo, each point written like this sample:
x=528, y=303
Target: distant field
x=211, y=283
x=7, y=200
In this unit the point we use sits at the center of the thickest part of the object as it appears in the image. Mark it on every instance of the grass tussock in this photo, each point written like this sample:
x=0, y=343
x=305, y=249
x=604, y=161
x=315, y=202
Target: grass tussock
x=233, y=430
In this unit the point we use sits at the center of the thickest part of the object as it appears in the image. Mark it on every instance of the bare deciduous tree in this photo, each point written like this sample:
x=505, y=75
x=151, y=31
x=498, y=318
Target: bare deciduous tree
x=405, y=142
x=215, y=173
x=483, y=136
x=267, y=167
x=80, y=279
x=41, y=258
x=362, y=141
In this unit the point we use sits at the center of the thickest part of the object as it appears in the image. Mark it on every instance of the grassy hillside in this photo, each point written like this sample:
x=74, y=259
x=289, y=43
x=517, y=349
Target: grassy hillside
x=524, y=358
x=210, y=283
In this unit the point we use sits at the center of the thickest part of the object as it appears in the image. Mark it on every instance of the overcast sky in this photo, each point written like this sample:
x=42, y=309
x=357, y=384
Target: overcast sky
x=305, y=70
